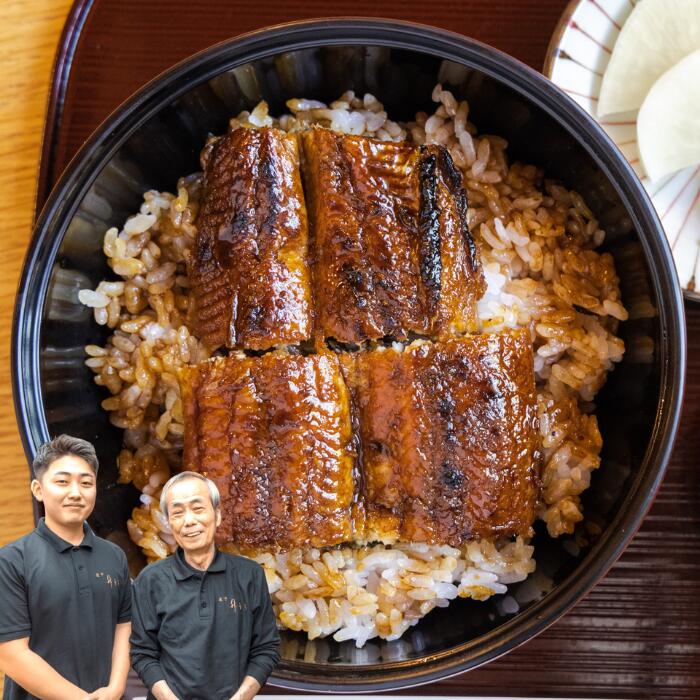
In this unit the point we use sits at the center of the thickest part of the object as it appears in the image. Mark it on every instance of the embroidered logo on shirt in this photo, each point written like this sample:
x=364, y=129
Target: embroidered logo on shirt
x=232, y=603
x=111, y=581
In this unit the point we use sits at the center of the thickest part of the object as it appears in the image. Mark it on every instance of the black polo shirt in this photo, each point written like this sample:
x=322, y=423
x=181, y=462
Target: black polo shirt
x=203, y=631
x=67, y=600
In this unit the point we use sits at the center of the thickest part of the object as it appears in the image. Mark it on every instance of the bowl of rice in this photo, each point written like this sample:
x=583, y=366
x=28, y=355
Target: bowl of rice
x=571, y=250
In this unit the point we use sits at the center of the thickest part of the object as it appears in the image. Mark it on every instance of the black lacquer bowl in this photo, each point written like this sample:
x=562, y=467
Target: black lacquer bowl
x=156, y=137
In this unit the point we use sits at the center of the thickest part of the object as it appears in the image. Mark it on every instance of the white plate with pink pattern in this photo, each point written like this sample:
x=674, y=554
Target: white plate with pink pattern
x=576, y=60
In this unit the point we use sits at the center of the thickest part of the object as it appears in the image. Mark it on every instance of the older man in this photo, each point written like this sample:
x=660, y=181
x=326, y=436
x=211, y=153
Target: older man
x=65, y=594
x=203, y=626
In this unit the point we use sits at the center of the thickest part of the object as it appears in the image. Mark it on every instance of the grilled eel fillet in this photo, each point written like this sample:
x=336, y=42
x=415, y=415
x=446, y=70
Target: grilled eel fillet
x=392, y=249
x=435, y=444
x=392, y=253
x=448, y=438
x=274, y=434
x=249, y=273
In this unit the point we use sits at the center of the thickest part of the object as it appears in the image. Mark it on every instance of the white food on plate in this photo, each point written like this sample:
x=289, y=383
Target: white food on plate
x=656, y=36
x=668, y=126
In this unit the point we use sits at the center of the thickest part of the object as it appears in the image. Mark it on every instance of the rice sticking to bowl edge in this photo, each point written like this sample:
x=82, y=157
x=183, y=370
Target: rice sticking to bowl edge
x=537, y=242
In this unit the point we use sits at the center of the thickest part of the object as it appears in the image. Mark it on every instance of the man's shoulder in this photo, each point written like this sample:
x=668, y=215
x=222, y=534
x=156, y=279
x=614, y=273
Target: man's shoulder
x=15, y=551
x=16, y=558
x=155, y=571
x=105, y=547
x=242, y=564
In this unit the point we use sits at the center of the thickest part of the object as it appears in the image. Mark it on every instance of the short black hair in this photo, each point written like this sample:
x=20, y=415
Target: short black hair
x=62, y=446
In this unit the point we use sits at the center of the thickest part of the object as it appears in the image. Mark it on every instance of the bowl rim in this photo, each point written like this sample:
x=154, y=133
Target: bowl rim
x=184, y=76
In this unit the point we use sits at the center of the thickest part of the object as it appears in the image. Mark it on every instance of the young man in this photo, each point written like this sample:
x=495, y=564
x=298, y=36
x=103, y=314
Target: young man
x=203, y=624
x=66, y=593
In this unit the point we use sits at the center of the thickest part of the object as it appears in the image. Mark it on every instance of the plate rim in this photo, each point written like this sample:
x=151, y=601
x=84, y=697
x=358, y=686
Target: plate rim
x=550, y=59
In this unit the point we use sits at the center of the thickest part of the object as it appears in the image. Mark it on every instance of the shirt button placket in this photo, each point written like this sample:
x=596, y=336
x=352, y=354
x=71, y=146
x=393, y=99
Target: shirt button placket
x=88, y=628
x=204, y=608
x=80, y=571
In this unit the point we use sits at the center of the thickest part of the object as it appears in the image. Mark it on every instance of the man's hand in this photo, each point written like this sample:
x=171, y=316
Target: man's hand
x=248, y=689
x=31, y=672
x=161, y=691
x=106, y=693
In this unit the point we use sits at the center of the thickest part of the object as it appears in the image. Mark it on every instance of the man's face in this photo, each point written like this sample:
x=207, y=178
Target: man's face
x=68, y=490
x=191, y=515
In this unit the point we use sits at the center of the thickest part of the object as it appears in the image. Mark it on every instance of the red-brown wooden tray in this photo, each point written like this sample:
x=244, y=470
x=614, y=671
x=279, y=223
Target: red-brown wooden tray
x=637, y=634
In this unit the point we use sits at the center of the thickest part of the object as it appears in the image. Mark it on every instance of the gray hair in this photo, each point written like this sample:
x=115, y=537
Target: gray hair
x=213, y=491
x=63, y=446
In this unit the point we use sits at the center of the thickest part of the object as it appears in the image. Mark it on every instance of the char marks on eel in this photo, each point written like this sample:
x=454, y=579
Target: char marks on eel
x=274, y=433
x=537, y=243
x=392, y=253
x=249, y=271
x=447, y=433
x=436, y=444
x=449, y=439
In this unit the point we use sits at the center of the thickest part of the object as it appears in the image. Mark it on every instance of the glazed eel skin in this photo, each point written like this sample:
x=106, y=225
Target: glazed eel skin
x=386, y=250
x=435, y=444
x=249, y=273
x=448, y=438
x=392, y=251
x=274, y=434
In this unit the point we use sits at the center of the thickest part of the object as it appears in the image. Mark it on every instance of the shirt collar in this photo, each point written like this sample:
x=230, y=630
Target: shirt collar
x=59, y=543
x=182, y=570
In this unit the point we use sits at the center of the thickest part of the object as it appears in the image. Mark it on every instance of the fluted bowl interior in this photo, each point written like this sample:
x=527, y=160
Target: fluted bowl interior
x=156, y=137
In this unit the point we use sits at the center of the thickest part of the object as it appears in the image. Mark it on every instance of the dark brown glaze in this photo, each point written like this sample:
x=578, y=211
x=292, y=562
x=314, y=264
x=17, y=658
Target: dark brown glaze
x=429, y=231
x=449, y=439
x=274, y=433
x=391, y=247
x=249, y=271
x=588, y=651
x=462, y=281
x=364, y=264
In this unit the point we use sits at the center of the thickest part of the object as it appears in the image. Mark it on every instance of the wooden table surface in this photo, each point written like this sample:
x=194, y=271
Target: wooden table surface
x=29, y=34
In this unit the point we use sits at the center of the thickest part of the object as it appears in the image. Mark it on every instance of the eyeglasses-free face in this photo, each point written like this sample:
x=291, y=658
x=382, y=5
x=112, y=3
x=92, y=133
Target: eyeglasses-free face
x=67, y=489
x=191, y=516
